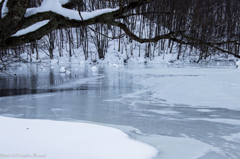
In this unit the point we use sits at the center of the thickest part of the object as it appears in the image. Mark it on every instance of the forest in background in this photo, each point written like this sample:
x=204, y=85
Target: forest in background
x=203, y=28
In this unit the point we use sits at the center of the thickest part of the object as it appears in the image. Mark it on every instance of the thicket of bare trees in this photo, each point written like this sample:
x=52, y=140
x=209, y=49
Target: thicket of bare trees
x=204, y=27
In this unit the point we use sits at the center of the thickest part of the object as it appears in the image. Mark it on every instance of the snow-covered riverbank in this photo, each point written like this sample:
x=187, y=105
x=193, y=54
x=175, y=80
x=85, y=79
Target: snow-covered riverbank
x=61, y=140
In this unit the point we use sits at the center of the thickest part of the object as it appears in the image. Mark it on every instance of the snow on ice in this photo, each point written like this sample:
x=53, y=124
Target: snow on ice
x=233, y=137
x=94, y=68
x=191, y=86
x=62, y=70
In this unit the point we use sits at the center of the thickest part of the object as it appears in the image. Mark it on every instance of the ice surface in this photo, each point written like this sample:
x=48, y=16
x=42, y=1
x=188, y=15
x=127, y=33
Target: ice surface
x=63, y=140
x=171, y=147
x=163, y=111
x=121, y=97
x=233, y=137
x=12, y=115
x=179, y=147
x=219, y=120
x=191, y=86
x=73, y=84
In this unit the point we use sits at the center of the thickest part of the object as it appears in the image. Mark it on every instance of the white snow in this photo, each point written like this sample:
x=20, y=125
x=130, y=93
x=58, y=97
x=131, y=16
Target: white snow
x=205, y=110
x=163, y=111
x=64, y=1
x=56, y=6
x=68, y=72
x=4, y=9
x=31, y=28
x=233, y=137
x=62, y=70
x=238, y=64
x=61, y=140
x=115, y=65
x=94, y=68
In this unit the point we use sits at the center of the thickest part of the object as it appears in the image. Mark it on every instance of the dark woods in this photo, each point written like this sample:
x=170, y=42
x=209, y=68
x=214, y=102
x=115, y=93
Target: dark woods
x=203, y=27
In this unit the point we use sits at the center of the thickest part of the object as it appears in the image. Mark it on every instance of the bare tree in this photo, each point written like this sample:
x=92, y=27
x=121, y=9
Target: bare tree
x=206, y=25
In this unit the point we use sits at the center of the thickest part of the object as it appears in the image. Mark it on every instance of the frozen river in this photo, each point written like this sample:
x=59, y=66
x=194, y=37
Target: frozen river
x=185, y=111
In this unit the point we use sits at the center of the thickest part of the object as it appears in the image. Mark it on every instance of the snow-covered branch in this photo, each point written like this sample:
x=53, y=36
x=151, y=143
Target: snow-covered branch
x=20, y=24
x=20, y=18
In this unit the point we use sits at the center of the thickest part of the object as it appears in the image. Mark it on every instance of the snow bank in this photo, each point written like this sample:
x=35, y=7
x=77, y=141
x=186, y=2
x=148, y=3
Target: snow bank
x=61, y=140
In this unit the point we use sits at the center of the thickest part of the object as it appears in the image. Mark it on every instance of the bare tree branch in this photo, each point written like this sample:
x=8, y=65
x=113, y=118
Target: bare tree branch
x=185, y=31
